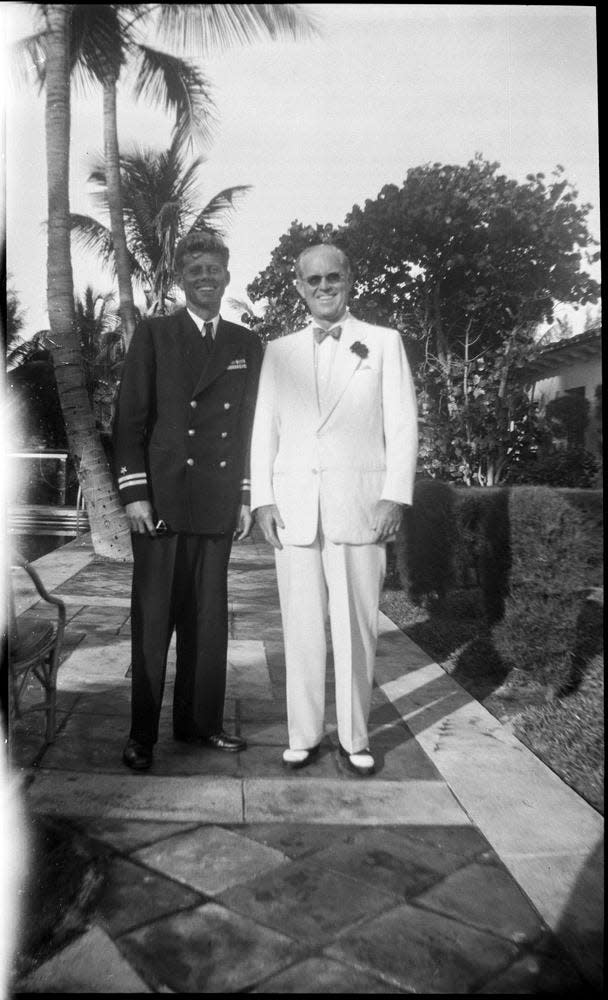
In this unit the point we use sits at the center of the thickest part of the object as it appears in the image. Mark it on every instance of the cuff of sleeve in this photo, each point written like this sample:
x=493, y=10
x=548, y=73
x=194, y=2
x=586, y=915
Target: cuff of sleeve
x=130, y=492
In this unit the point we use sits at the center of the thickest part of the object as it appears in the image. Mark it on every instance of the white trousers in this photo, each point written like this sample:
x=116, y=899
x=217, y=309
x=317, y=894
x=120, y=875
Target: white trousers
x=344, y=581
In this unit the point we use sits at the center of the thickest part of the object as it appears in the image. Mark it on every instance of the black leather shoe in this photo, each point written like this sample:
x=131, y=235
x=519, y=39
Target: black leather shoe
x=222, y=741
x=361, y=763
x=299, y=758
x=137, y=756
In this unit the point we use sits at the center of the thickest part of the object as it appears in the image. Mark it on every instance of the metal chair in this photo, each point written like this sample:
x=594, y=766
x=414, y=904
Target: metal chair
x=34, y=651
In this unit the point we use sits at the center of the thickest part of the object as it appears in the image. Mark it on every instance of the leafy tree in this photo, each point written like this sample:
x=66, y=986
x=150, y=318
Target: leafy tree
x=161, y=202
x=465, y=262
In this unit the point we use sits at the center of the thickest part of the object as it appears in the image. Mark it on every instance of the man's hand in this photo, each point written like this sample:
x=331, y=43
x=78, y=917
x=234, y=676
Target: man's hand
x=386, y=520
x=244, y=524
x=268, y=518
x=140, y=517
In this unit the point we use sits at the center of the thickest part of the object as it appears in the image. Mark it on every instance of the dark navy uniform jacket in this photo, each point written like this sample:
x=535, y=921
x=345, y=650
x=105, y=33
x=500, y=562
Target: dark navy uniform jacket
x=183, y=422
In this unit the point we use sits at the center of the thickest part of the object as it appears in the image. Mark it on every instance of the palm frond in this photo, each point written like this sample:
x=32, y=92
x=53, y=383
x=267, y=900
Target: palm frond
x=93, y=237
x=214, y=212
x=27, y=59
x=179, y=87
x=98, y=43
x=22, y=349
x=201, y=28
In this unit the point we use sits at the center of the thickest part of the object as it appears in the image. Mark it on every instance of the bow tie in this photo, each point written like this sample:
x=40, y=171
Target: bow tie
x=321, y=334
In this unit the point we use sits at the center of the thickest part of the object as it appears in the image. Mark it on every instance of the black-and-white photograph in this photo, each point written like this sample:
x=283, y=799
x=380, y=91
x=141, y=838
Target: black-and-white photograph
x=302, y=598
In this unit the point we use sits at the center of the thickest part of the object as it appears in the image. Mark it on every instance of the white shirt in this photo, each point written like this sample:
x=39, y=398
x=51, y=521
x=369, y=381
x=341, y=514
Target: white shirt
x=201, y=322
x=324, y=356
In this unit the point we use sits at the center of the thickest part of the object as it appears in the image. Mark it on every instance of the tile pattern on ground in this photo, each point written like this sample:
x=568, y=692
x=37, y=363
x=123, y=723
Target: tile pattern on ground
x=306, y=900
x=210, y=859
x=424, y=952
x=208, y=950
x=324, y=975
x=340, y=884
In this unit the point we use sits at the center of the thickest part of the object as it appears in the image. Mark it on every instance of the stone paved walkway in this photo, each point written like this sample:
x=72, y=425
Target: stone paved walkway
x=463, y=866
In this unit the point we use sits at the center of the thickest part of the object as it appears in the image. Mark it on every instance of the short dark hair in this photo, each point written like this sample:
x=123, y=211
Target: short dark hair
x=200, y=242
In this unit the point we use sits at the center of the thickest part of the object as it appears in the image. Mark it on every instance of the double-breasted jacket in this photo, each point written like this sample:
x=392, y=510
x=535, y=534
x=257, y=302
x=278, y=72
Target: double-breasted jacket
x=183, y=422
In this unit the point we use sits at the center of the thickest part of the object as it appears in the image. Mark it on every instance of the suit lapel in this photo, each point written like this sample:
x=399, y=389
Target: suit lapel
x=345, y=365
x=218, y=360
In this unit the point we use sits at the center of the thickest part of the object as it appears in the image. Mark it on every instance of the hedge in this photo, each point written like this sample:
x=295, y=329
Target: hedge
x=536, y=554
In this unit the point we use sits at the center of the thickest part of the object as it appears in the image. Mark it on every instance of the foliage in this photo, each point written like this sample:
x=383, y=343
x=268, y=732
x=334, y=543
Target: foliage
x=553, y=567
x=37, y=421
x=161, y=203
x=425, y=544
x=465, y=263
x=14, y=316
x=572, y=467
x=110, y=40
x=102, y=349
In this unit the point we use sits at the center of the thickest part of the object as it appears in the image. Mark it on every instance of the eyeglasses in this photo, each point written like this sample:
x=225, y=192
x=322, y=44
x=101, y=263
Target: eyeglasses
x=333, y=278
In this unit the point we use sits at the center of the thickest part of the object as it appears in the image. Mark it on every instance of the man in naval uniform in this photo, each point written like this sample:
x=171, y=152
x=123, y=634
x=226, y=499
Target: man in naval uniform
x=181, y=448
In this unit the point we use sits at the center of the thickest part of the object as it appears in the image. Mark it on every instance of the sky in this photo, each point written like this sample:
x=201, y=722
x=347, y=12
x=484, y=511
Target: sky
x=321, y=125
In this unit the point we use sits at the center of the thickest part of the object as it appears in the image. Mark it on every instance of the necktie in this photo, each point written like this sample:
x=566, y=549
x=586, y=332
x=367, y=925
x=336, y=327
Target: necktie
x=208, y=338
x=321, y=334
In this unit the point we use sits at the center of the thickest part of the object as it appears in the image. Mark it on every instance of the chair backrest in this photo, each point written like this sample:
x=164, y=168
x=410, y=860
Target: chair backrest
x=14, y=638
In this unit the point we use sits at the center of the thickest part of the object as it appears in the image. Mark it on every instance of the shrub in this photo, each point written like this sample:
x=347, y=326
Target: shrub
x=482, y=528
x=552, y=559
x=425, y=546
x=574, y=468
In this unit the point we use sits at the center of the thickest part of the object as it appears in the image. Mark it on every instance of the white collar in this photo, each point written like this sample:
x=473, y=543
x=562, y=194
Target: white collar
x=200, y=323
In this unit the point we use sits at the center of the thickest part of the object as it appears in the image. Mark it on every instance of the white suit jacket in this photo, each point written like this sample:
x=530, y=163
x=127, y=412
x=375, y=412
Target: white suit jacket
x=339, y=462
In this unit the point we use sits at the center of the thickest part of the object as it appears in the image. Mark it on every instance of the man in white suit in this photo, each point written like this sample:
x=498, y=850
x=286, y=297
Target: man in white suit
x=333, y=463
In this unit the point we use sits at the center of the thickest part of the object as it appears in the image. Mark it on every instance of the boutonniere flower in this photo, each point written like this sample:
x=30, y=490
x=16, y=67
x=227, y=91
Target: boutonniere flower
x=359, y=349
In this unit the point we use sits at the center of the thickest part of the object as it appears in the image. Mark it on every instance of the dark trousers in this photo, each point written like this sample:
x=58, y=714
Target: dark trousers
x=179, y=583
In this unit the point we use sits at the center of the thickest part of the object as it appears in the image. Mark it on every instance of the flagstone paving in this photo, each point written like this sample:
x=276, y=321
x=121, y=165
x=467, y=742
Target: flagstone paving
x=463, y=866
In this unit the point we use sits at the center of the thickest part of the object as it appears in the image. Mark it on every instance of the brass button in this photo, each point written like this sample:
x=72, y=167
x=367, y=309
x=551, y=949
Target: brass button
x=189, y=461
x=224, y=434
x=226, y=406
x=193, y=404
x=222, y=465
x=191, y=432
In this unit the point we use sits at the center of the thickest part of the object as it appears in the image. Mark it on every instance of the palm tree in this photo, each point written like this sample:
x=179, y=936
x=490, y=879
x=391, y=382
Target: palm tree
x=103, y=39
x=161, y=199
x=106, y=38
x=95, y=41
x=109, y=529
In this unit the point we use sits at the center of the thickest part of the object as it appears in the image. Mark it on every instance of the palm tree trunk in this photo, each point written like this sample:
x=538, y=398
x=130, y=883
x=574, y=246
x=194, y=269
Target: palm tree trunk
x=115, y=204
x=109, y=529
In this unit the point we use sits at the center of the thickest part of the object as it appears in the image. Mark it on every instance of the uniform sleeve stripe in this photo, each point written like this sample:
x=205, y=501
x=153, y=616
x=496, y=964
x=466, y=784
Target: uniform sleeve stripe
x=136, y=479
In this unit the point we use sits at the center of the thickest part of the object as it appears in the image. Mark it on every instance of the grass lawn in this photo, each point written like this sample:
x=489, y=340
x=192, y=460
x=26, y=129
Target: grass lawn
x=565, y=730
